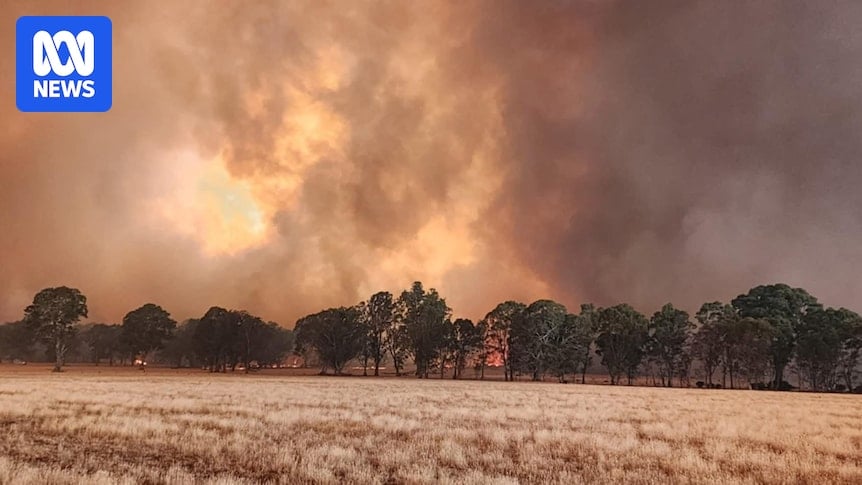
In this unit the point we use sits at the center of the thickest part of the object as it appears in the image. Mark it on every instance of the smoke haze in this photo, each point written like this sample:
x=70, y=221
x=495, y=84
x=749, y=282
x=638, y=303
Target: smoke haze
x=283, y=157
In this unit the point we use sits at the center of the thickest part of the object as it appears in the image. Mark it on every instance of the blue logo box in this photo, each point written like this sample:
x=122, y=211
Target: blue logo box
x=63, y=64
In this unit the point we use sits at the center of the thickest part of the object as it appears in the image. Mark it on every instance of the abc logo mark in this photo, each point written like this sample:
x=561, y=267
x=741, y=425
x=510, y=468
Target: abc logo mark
x=46, y=57
x=63, y=64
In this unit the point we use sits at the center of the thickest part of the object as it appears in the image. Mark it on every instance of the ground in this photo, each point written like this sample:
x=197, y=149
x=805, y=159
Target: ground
x=101, y=425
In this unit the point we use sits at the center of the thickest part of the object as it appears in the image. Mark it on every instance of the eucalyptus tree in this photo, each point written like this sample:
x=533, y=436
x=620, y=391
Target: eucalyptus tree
x=336, y=334
x=379, y=319
x=669, y=331
x=424, y=315
x=53, y=316
x=783, y=307
x=534, y=337
x=146, y=329
x=621, y=340
x=498, y=333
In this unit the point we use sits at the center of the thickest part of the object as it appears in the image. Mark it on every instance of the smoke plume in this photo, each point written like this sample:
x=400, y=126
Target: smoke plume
x=282, y=157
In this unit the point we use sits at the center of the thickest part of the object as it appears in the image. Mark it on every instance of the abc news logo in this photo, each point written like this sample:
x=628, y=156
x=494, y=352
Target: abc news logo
x=63, y=64
x=46, y=59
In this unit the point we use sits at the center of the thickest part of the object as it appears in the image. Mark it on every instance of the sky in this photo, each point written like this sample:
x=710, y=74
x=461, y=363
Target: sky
x=284, y=157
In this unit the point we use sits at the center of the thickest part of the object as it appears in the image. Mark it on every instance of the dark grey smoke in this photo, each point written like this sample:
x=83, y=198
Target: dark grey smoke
x=694, y=150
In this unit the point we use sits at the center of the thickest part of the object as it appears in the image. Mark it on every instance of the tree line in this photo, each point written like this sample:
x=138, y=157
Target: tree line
x=220, y=340
x=751, y=341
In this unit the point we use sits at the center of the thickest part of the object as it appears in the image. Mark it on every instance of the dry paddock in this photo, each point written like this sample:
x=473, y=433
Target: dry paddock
x=105, y=426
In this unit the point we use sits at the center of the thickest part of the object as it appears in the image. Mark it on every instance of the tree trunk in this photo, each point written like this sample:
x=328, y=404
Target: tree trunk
x=395, y=362
x=58, y=355
x=247, y=349
x=779, y=376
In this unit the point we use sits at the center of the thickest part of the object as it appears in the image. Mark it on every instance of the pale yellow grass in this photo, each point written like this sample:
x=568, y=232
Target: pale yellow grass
x=200, y=428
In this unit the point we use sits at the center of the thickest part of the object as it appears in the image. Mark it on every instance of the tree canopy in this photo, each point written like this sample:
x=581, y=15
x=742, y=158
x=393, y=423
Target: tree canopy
x=335, y=334
x=146, y=329
x=621, y=340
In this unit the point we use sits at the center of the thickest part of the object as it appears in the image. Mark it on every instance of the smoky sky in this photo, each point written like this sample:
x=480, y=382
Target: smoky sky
x=282, y=157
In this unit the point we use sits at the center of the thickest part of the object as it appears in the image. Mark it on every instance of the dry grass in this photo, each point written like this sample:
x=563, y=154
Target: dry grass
x=83, y=427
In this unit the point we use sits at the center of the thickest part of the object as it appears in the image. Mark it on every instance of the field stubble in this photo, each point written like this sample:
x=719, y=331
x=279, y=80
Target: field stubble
x=84, y=427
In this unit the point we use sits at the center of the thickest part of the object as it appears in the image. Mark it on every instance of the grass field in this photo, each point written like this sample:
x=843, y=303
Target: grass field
x=107, y=426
